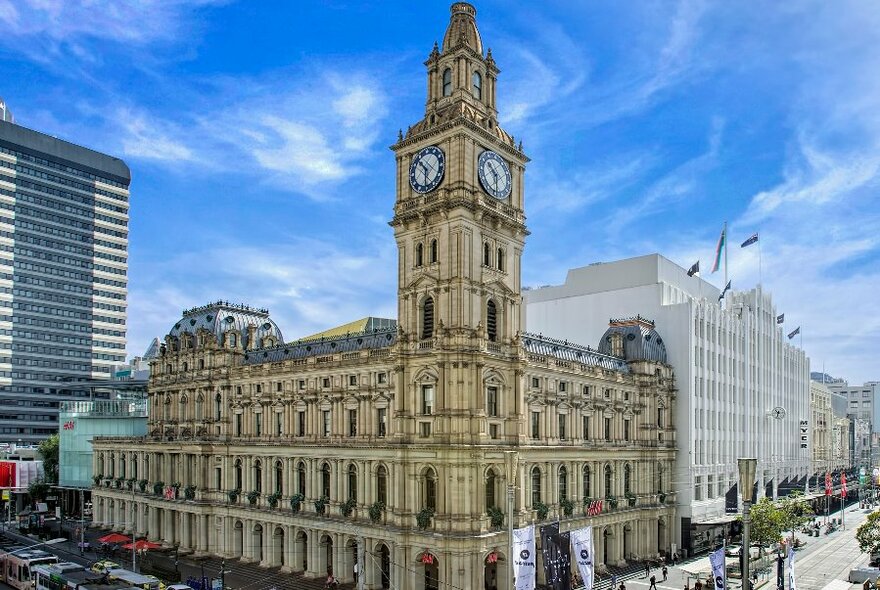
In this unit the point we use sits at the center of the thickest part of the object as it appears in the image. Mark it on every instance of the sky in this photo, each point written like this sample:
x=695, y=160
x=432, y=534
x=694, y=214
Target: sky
x=258, y=132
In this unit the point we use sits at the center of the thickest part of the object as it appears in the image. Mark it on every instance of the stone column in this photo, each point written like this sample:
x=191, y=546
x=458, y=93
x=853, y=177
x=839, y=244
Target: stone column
x=314, y=549
x=167, y=526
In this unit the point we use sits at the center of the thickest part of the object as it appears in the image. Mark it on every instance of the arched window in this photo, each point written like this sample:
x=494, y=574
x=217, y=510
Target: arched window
x=587, y=481
x=233, y=340
x=218, y=407
x=199, y=404
x=301, y=478
x=420, y=254
x=491, y=321
x=147, y=467
x=134, y=466
x=258, y=476
x=352, y=483
x=325, y=480
x=428, y=318
x=433, y=251
x=487, y=255
x=112, y=465
x=500, y=259
x=563, y=484
x=447, y=82
x=477, y=81
x=122, y=466
x=627, y=479
x=491, y=480
x=382, y=484
x=608, y=488
x=430, y=489
x=238, y=474
x=279, y=477
x=536, y=485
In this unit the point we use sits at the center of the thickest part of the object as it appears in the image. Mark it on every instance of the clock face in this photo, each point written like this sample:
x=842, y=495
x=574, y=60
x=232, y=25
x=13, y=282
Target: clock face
x=494, y=175
x=778, y=413
x=427, y=168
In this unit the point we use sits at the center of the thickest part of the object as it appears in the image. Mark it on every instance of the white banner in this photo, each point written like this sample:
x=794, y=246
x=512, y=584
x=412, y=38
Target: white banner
x=524, y=558
x=716, y=558
x=582, y=549
x=791, y=583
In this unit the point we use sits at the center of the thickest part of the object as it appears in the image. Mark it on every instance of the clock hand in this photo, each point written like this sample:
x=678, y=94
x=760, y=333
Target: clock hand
x=425, y=168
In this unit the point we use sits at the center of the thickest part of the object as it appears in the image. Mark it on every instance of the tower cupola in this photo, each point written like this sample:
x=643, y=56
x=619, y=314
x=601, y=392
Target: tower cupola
x=462, y=29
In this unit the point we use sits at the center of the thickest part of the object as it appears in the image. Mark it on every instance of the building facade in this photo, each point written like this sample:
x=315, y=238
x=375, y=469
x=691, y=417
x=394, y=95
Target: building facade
x=863, y=407
x=744, y=390
x=401, y=436
x=63, y=285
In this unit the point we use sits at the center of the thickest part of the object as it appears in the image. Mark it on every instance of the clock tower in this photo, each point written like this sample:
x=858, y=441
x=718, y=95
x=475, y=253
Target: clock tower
x=460, y=229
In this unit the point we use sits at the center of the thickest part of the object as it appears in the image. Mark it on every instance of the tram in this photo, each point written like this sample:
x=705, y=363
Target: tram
x=17, y=565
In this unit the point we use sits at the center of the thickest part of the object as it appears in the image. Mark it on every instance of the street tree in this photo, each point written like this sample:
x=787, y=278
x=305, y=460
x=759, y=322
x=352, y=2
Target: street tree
x=868, y=534
x=768, y=521
x=48, y=450
x=796, y=511
x=38, y=490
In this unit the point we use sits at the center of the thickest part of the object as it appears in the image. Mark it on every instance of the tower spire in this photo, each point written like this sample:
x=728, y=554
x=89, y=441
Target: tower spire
x=462, y=30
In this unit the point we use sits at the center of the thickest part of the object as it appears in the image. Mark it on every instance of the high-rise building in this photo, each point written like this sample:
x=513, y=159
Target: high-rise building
x=63, y=275
x=743, y=389
x=863, y=408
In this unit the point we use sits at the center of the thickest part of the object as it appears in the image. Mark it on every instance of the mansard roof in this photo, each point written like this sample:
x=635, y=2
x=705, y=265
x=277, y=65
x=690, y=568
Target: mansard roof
x=565, y=350
x=355, y=341
x=222, y=316
x=641, y=342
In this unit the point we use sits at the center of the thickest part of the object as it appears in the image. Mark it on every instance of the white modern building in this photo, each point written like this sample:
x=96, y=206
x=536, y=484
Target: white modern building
x=744, y=390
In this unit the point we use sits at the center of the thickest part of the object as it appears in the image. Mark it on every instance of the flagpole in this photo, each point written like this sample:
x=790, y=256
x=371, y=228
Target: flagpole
x=725, y=252
x=760, y=263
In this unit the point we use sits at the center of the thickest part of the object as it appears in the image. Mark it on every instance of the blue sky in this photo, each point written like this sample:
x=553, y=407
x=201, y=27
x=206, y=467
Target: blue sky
x=258, y=134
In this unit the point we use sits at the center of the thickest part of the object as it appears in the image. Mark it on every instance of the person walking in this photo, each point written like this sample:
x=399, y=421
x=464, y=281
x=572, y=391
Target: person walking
x=665, y=571
x=622, y=585
x=653, y=585
x=647, y=569
x=613, y=581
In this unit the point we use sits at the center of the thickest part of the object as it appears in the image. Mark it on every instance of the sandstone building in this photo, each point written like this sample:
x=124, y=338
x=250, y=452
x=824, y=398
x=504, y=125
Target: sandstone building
x=288, y=453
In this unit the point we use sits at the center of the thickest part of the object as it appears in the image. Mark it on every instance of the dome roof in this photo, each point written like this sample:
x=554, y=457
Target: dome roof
x=640, y=340
x=462, y=28
x=222, y=316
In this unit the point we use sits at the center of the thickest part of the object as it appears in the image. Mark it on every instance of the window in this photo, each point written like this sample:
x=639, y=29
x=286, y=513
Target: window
x=381, y=418
x=587, y=483
x=433, y=252
x=627, y=479
x=352, y=482
x=218, y=478
x=325, y=480
x=233, y=340
x=626, y=429
x=238, y=420
x=258, y=476
x=301, y=423
x=477, y=82
x=563, y=484
x=201, y=363
x=279, y=477
x=536, y=485
x=352, y=380
x=352, y=422
x=279, y=423
x=585, y=390
x=382, y=378
x=493, y=431
x=562, y=387
x=259, y=388
x=419, y=254
x=278, y=387
x=536, y=424
x=427, y=400
x=431, y=490
x=487, y=256
x=562, y=420
x=490, y=489
x=609, y=489
x=659, y=417
x=325, y=415
x=258, y=424
x=185, y=367
x=536, y=382
x=218, y=407
x=424, y=429
x=492, y=401
x=500, y=260
x=301, y=478
x=586, y=428
x=607, y=428
x=428, y=318
x=325, y=382
x=447, y=82
x=491, y=321
x=301, y=384
x=238, y=475
x=382, y=484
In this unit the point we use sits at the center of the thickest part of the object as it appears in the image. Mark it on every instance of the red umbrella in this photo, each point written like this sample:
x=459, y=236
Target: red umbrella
x=143, y=545
x=115, y=538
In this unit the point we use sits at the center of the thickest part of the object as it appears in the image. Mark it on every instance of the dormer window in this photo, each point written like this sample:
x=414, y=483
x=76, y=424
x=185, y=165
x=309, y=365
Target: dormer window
x=477, y=81
x=447, y=82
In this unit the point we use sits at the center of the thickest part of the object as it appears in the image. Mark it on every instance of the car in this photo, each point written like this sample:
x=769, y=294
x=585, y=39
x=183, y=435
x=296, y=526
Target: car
x=178, y=587
x=732, y=550
x=104, y=566
x=860, y=575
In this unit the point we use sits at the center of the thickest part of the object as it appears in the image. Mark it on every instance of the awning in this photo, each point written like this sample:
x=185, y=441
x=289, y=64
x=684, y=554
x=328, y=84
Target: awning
x=717, y=521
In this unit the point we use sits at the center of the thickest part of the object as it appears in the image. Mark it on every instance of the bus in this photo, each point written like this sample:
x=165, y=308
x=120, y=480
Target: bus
x=17, y=564
x=132, y=579
x=72, y=576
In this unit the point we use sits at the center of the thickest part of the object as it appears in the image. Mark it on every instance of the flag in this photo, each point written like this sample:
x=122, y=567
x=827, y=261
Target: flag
x=594, y=508
x=791, y=582
x=694, y=269
x=794, y=332
x=524, y=558
x=722, y=240
x=169, y=493
x=752, y=239
x=843, y=483
x=780, y=318
x=582, y=548
x=724, y=291
x=556, y=557
x=716, y=558
x=827, y=484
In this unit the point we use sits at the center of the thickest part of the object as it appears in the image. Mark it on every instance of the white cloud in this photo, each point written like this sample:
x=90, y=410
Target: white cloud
x=143, y=139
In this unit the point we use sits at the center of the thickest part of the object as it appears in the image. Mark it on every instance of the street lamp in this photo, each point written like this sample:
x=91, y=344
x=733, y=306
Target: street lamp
x=746, y=488
x=511, y=461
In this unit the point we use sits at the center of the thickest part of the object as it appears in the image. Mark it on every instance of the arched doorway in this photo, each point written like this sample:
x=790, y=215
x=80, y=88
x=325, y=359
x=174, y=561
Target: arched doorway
x=278, y=547
x=490, y=571
x=661, y=536
x=257, y=543
x=351, y=559
x=237, y=539
x=627, y=542
x=431, y=571
x=301, y=548
x=606, y=544
x=326, y=549
x=384, y=567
